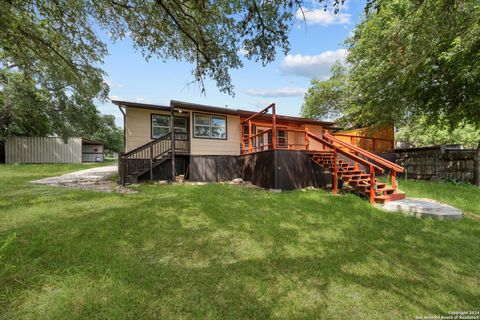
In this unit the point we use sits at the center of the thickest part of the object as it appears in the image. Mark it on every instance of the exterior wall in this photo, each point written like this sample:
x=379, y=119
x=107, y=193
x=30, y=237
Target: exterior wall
x=138, y=132
x=374, y=139
x=231, y=146
x=283, y=169
x=43, y=150
x=92, y=153
x=214, y=168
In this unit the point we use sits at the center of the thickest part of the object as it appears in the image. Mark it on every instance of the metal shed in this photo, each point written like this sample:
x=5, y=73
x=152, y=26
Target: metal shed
x=52, y=150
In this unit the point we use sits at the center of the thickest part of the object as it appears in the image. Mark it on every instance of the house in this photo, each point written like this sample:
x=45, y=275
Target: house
x=220, y=144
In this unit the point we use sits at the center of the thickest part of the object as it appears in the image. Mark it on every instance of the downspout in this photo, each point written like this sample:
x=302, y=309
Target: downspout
x=124, y=128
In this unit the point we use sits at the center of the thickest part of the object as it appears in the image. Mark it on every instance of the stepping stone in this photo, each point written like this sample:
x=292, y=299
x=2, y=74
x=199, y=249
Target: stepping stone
x=423, y=208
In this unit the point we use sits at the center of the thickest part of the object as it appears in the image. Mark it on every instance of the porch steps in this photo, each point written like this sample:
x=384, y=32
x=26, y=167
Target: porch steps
x=357, y=179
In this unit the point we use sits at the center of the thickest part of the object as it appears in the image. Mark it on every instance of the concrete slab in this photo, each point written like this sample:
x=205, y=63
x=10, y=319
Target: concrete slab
x=82, y=176
x=423, y=208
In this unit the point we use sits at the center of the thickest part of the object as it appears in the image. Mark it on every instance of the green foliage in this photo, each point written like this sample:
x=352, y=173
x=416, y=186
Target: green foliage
x=417, y=58
x=57, y=40
x=183, y=251
x=109, y=134
x=422, y=133
x=327, y=99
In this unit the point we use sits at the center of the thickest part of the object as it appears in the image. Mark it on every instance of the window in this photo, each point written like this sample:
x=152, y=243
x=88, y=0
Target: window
x=209, y=126
x=282, y=141
x=161, y=125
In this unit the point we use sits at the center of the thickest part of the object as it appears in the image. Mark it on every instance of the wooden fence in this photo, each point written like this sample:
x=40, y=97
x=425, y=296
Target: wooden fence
x=438, y=162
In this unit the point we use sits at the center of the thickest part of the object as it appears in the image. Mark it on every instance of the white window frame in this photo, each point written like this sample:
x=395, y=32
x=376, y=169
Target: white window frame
x=210, y=126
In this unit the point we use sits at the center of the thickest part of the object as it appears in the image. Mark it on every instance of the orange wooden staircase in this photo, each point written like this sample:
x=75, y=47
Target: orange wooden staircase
x=357, y=168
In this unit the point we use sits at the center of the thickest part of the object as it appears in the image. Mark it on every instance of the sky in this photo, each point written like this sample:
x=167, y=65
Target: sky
x=316, y=44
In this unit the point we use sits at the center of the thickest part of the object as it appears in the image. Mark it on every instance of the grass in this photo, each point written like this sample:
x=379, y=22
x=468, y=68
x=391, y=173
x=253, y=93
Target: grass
x=220, y=251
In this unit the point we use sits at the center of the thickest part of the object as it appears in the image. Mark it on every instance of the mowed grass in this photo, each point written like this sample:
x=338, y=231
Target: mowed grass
x=225, y=252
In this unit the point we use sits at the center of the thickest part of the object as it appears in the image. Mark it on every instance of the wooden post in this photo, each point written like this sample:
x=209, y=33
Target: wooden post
x=121, y=168
x=393, y=177
x=335, y=171
x=306, y=139
x=274, y=128
x=373, y=145
x=172, y=140
x=250, y=147
x=243, y=137
x=151, y=163
x=372, y=184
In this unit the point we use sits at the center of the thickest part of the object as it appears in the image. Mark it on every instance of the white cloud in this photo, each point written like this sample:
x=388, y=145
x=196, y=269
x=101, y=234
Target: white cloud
x=322, y=17
x=112, y=84
x=313, y=66
x=114, y=97
x=277, y=92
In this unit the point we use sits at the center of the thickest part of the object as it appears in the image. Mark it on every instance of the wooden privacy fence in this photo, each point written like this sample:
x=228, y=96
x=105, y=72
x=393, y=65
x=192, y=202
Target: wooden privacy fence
x=437, y=162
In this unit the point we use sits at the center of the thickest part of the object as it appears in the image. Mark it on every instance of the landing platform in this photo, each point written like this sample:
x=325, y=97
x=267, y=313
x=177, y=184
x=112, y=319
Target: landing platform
x=423, y=208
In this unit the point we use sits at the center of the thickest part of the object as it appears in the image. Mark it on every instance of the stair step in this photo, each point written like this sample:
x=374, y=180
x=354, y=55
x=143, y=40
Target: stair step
x=355, y=176
x=389, y=197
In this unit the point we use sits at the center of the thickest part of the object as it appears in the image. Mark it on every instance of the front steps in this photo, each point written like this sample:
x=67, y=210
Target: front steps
x=357, y=179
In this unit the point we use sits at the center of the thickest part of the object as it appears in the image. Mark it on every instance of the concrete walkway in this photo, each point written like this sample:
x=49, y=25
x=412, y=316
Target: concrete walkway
x=95, y=179
x=423, y=208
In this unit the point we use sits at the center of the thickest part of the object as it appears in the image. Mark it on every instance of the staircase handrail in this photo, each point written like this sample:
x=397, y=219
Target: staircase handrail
x=345, y=153
x=378, y=159
x=147, y=145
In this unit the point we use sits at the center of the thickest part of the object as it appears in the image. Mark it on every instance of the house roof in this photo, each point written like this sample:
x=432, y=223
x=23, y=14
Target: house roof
x=222, y=110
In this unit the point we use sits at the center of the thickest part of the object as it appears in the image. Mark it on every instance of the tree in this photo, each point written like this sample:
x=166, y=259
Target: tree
x=413, y=58
x=422, y=133
x=56, y=42
x=109, y=134
x=327, y=99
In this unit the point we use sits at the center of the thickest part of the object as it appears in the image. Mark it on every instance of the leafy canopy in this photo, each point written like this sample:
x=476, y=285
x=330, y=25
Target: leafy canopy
x=413, y=58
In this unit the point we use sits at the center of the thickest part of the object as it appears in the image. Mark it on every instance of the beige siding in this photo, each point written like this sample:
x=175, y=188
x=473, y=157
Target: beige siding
x=138, y=132
x=43, y=150
x=231, y=146
x=138, y=127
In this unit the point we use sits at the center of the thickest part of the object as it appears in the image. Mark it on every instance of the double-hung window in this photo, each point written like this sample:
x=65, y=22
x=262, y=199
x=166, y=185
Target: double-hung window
x=161, y=125
x=209, y=126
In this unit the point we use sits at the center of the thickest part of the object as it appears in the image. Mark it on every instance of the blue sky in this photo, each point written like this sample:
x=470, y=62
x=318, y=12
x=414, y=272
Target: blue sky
x=315, y=46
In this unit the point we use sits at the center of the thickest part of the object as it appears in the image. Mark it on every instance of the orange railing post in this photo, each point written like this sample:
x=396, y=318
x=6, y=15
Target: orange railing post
x=250, y=136
x=335, y=171
x=372, y=184
x=307, y=142
x=274, y=127
x=393, y=177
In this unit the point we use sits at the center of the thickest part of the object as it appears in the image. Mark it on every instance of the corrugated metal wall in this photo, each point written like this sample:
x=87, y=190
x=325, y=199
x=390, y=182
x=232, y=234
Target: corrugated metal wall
x=43, y=150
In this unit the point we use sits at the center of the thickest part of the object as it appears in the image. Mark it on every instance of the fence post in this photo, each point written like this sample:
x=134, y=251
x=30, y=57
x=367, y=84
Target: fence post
x=250, y=147
x=372, y=184
x=274, y=127
x=335, y=171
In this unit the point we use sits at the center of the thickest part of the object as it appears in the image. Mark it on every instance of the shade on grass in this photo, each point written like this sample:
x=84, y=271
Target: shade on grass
x=220, y=251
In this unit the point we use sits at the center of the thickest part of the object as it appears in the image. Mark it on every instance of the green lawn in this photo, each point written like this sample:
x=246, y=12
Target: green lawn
x=219, y=251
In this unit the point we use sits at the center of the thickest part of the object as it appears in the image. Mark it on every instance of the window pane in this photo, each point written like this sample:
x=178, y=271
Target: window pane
x=219, y=133
x=158, y=120
x=219, y=121
x=202, y=131
x=202, y=119
x=180, y=122
x=160, y=131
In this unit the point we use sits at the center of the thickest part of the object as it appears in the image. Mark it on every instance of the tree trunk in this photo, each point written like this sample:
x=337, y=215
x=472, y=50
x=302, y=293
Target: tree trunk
x=476, y=166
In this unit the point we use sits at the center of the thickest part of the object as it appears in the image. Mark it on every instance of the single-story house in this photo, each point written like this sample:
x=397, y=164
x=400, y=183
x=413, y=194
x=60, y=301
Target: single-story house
x=220, y=144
